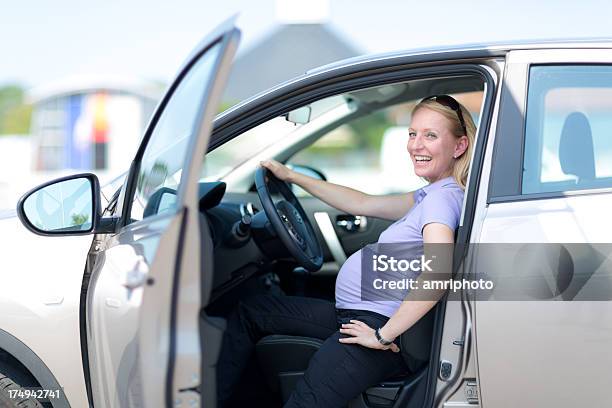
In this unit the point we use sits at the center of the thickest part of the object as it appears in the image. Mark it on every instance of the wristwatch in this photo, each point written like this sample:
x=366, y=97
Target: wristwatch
x=381, y=339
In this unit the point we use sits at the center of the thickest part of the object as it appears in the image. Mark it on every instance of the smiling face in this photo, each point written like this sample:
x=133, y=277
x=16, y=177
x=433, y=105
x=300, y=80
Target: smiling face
x=432, y=145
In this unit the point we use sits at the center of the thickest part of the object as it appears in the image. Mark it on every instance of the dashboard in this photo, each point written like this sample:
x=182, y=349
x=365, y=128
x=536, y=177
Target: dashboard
x=243, y=239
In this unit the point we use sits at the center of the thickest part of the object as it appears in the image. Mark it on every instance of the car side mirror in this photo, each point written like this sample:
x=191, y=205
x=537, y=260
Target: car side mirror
x=308, y=171
x=65, y=206
x=163, y=199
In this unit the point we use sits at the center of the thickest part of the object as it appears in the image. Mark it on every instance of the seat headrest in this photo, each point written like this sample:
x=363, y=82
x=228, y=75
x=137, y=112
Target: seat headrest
x=576, y=153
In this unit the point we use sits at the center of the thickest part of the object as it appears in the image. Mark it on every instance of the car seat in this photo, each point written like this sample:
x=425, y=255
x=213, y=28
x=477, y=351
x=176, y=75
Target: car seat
x=284, y=360
x=576, y=153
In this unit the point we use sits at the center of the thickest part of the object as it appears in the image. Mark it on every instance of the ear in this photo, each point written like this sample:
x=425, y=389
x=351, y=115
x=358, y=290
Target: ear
x=461, y=146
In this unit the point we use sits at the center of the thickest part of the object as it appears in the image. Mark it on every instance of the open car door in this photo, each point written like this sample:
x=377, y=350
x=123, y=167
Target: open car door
x=145, y=289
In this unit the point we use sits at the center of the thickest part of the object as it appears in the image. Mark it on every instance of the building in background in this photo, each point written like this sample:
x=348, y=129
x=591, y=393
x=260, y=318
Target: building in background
x=89, y=124
x=303, y=40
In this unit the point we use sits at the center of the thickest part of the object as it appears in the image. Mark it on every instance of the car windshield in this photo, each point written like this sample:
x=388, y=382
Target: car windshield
x=227, y=157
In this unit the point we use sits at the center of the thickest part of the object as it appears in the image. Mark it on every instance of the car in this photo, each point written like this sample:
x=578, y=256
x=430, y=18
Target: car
x=134, y=315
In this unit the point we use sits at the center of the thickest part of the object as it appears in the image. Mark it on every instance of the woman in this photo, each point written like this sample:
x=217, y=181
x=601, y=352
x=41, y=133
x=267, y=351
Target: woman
x=360, y=347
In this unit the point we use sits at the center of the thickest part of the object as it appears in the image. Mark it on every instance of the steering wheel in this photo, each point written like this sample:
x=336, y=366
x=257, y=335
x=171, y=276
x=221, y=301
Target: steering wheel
x=289, y=220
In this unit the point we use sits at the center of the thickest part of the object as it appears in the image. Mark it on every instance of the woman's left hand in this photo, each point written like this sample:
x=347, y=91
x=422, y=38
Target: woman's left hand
x=363, y=334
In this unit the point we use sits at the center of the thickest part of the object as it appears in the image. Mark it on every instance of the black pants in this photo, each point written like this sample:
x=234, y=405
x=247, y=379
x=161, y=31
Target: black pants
x=337, y=372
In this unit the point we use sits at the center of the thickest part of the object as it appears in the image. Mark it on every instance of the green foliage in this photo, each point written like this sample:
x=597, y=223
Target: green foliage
x=225, y=105
x=371, y=129
x=79, y=219
x=16, y=120
x=10, y=95
x=367, y=133
x=15, y=114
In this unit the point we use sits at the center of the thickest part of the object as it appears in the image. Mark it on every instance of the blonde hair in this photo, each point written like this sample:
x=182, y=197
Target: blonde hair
x=462, y=163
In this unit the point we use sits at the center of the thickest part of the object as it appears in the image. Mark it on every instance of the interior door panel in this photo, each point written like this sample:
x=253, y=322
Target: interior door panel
x=352, y=238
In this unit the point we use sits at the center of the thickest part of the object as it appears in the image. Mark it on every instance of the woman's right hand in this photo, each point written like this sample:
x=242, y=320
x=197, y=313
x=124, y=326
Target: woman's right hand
x=281, y=171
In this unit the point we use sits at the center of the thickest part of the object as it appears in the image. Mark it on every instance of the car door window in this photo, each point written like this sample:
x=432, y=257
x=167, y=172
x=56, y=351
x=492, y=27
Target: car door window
x=568, y=133
x=162, y=163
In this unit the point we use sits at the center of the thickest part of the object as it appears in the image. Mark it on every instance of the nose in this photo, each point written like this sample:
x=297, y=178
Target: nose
x=416, y=143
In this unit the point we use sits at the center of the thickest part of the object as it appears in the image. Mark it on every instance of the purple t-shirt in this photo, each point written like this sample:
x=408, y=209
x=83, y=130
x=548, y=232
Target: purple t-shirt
x=439, y=202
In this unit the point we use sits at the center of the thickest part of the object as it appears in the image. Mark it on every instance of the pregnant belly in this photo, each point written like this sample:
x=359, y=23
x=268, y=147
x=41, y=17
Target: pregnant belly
x=348, y=282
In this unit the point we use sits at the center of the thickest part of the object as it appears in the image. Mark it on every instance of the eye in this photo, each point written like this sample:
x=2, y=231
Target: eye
x=411, y=134
x=431, y=135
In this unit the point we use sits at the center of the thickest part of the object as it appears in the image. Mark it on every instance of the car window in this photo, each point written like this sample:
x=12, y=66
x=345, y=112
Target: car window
x=227, y=157
x=162, y=163
x=568, y=133
x=230, y=155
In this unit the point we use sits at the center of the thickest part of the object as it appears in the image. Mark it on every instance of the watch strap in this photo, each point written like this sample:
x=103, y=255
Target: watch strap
x=381, y=339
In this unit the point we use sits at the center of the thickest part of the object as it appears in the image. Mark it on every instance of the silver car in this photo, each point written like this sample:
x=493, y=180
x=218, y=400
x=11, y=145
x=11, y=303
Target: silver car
x=134, y=316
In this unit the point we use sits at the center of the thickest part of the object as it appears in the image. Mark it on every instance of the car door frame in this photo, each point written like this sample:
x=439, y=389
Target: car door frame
x=335, y=80
x=182, y=344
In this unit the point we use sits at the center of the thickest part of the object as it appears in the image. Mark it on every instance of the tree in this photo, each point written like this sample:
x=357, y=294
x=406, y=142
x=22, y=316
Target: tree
x=15, y=114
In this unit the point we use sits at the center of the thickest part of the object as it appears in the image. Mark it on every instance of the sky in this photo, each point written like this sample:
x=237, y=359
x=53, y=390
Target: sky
x=46, y=41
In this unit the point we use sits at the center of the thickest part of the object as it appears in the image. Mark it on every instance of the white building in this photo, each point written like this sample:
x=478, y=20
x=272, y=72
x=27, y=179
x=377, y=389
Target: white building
x=78, y=125
x=89, y=124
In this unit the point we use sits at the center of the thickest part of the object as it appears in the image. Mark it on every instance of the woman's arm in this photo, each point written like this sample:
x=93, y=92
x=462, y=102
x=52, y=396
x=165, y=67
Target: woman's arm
x=349, y=200
x=410, y=311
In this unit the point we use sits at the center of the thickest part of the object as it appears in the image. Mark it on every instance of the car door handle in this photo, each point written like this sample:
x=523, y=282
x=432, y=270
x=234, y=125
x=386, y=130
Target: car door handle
x=137, y=275
x=352, y=223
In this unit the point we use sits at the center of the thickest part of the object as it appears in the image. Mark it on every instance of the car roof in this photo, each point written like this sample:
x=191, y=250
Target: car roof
x=495, y=48
x=430, y=54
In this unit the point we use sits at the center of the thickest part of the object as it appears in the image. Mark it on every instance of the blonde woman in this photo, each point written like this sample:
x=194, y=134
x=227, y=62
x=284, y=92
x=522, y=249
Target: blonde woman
x=361, y=336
